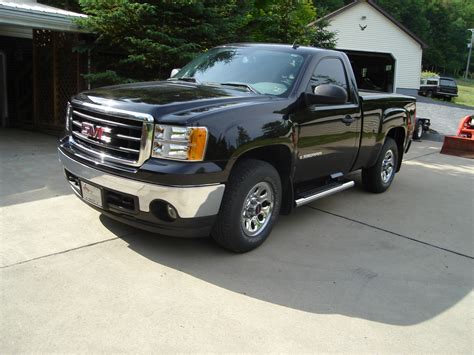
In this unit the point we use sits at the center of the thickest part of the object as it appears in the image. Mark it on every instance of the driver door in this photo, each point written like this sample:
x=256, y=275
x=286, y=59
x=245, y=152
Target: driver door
x=328, y=134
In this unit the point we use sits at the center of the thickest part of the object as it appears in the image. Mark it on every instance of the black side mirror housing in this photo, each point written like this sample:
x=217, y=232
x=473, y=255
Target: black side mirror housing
x=327, y=94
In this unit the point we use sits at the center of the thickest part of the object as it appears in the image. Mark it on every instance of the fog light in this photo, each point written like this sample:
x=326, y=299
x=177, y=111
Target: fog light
x=171, y=211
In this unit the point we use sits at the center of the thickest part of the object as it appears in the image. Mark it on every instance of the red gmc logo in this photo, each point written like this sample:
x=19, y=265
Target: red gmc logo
x=96, y=132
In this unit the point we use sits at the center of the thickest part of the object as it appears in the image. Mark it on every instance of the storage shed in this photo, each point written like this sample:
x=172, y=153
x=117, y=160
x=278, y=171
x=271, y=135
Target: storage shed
x=364, y=29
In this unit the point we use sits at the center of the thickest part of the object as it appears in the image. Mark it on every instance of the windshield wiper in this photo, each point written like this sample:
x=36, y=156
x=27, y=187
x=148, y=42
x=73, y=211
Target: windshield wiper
x=242, y=85
x=186, y=78
x=236, y=84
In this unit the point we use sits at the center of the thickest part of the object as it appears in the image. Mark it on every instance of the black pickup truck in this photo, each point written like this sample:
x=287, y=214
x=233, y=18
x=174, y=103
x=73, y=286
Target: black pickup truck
x=241, y=134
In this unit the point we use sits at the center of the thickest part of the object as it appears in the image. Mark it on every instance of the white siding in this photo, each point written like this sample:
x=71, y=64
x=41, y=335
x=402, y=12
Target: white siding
x=380, y=35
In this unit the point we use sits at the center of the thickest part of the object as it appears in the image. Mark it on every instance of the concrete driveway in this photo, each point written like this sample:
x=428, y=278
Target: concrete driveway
x=356, y=272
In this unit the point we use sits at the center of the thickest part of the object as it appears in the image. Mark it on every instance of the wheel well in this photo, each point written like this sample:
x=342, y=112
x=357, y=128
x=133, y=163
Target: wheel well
x=398, y=135
x=279, y=156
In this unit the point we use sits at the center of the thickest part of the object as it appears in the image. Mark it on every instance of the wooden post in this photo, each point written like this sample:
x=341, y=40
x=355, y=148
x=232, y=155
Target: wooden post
x=35, y=81
x=78, y=66
x=54, y=38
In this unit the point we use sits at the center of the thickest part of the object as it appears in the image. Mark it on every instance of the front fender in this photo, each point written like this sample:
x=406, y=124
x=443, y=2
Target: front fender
x=260, y=135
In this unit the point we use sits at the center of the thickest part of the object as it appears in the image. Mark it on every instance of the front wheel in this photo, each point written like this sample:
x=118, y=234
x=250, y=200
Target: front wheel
x=250, y=206
x=379, y=177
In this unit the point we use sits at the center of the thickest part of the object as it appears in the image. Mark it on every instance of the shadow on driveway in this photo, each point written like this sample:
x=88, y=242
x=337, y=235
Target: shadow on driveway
x=319, y=263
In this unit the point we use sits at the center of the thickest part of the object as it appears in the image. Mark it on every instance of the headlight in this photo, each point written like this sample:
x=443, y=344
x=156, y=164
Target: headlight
x=68, y=116
x=179, y=143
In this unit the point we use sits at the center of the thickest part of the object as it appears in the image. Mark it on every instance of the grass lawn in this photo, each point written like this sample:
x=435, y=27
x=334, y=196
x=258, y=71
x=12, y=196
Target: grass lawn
x=465, y=92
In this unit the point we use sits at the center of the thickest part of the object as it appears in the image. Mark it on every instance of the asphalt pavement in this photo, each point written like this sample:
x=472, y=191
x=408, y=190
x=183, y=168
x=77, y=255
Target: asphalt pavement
x=355, y=272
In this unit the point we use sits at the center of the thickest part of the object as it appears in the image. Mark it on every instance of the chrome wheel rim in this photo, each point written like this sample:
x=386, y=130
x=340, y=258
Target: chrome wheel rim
x=257, y=209
x=387, y=166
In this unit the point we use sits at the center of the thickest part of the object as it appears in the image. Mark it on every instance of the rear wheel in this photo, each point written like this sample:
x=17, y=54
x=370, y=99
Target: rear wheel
x=418, y=133
x=250, y=206
x=379, y=177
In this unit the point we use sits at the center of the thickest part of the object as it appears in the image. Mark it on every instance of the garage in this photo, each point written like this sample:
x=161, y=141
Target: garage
x=373, y=71
x=385, y=54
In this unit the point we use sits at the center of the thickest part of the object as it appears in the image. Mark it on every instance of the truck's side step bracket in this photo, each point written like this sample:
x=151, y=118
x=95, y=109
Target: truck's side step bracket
x=323, y=191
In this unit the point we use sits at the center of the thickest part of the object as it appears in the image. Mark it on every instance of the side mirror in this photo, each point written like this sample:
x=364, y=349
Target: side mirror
x=328, y=94
x=174, y=72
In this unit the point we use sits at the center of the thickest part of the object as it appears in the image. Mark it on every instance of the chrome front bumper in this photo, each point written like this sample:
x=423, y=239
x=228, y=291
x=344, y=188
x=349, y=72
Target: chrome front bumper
x=189, y=201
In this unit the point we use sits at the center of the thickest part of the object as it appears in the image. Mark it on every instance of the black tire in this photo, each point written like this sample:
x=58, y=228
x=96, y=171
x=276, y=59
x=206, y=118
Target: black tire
x=372, y=177
x=429, y=93
x=230, y=230
x=418, y=133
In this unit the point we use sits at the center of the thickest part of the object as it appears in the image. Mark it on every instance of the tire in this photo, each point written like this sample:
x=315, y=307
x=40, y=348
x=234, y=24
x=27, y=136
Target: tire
x=429, y=93
x=372, y=178
x=418, y=133
x=233, y=229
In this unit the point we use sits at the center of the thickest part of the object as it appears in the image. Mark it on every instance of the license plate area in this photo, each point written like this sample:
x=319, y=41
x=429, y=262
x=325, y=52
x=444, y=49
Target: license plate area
x=102, y=197
x=92, y=194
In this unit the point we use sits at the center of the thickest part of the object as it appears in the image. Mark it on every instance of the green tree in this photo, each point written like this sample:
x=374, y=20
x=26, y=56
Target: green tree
x=403, y=11
x=138, y=40
x=449, y=21
x=71, y=5
x=280, y=21
x=327, y=6
x=285, y=21
x=147, y=39
x=323, y=38
x=442, y=24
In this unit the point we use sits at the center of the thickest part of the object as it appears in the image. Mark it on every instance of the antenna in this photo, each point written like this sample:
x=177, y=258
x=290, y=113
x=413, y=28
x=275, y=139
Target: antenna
x=295, y=45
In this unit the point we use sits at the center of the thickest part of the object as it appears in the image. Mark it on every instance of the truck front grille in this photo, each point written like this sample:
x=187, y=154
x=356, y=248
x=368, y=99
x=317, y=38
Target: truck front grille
x=112, y=135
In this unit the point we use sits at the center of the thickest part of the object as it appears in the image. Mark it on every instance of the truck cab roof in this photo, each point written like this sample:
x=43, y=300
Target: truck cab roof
x=283, y=47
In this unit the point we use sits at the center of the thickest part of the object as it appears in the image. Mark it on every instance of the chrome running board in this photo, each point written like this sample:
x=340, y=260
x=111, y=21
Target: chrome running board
x=323, y=192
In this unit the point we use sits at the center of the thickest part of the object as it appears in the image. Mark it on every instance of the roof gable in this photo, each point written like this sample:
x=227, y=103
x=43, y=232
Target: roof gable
x=381, y=11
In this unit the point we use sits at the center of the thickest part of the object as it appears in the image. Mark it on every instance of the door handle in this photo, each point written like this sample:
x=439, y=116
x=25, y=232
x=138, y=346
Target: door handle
x=348, y=119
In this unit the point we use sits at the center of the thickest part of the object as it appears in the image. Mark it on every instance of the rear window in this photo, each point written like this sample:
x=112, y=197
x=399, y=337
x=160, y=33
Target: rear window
x=447, y=82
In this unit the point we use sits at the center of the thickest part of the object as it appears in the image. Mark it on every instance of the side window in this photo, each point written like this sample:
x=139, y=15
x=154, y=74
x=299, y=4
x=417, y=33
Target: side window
x=329, y=71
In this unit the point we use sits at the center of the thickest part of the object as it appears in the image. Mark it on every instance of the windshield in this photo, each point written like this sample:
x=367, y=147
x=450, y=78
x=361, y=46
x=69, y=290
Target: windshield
x=253, y=69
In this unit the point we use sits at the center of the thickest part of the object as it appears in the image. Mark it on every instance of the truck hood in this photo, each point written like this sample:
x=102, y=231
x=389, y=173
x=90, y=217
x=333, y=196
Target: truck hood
x=171, y=101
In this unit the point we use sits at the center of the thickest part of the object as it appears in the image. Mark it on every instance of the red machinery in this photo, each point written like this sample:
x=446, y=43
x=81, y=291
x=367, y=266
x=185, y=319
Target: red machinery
x=463, y=143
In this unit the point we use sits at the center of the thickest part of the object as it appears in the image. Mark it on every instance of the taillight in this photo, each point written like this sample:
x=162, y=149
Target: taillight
x=411, y=120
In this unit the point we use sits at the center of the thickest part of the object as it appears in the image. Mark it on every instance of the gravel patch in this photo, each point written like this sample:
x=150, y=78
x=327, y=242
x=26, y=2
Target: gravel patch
x=444, y=118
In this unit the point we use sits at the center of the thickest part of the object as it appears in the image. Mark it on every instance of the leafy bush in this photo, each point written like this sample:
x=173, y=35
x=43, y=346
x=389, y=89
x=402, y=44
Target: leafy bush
x=428, y=74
